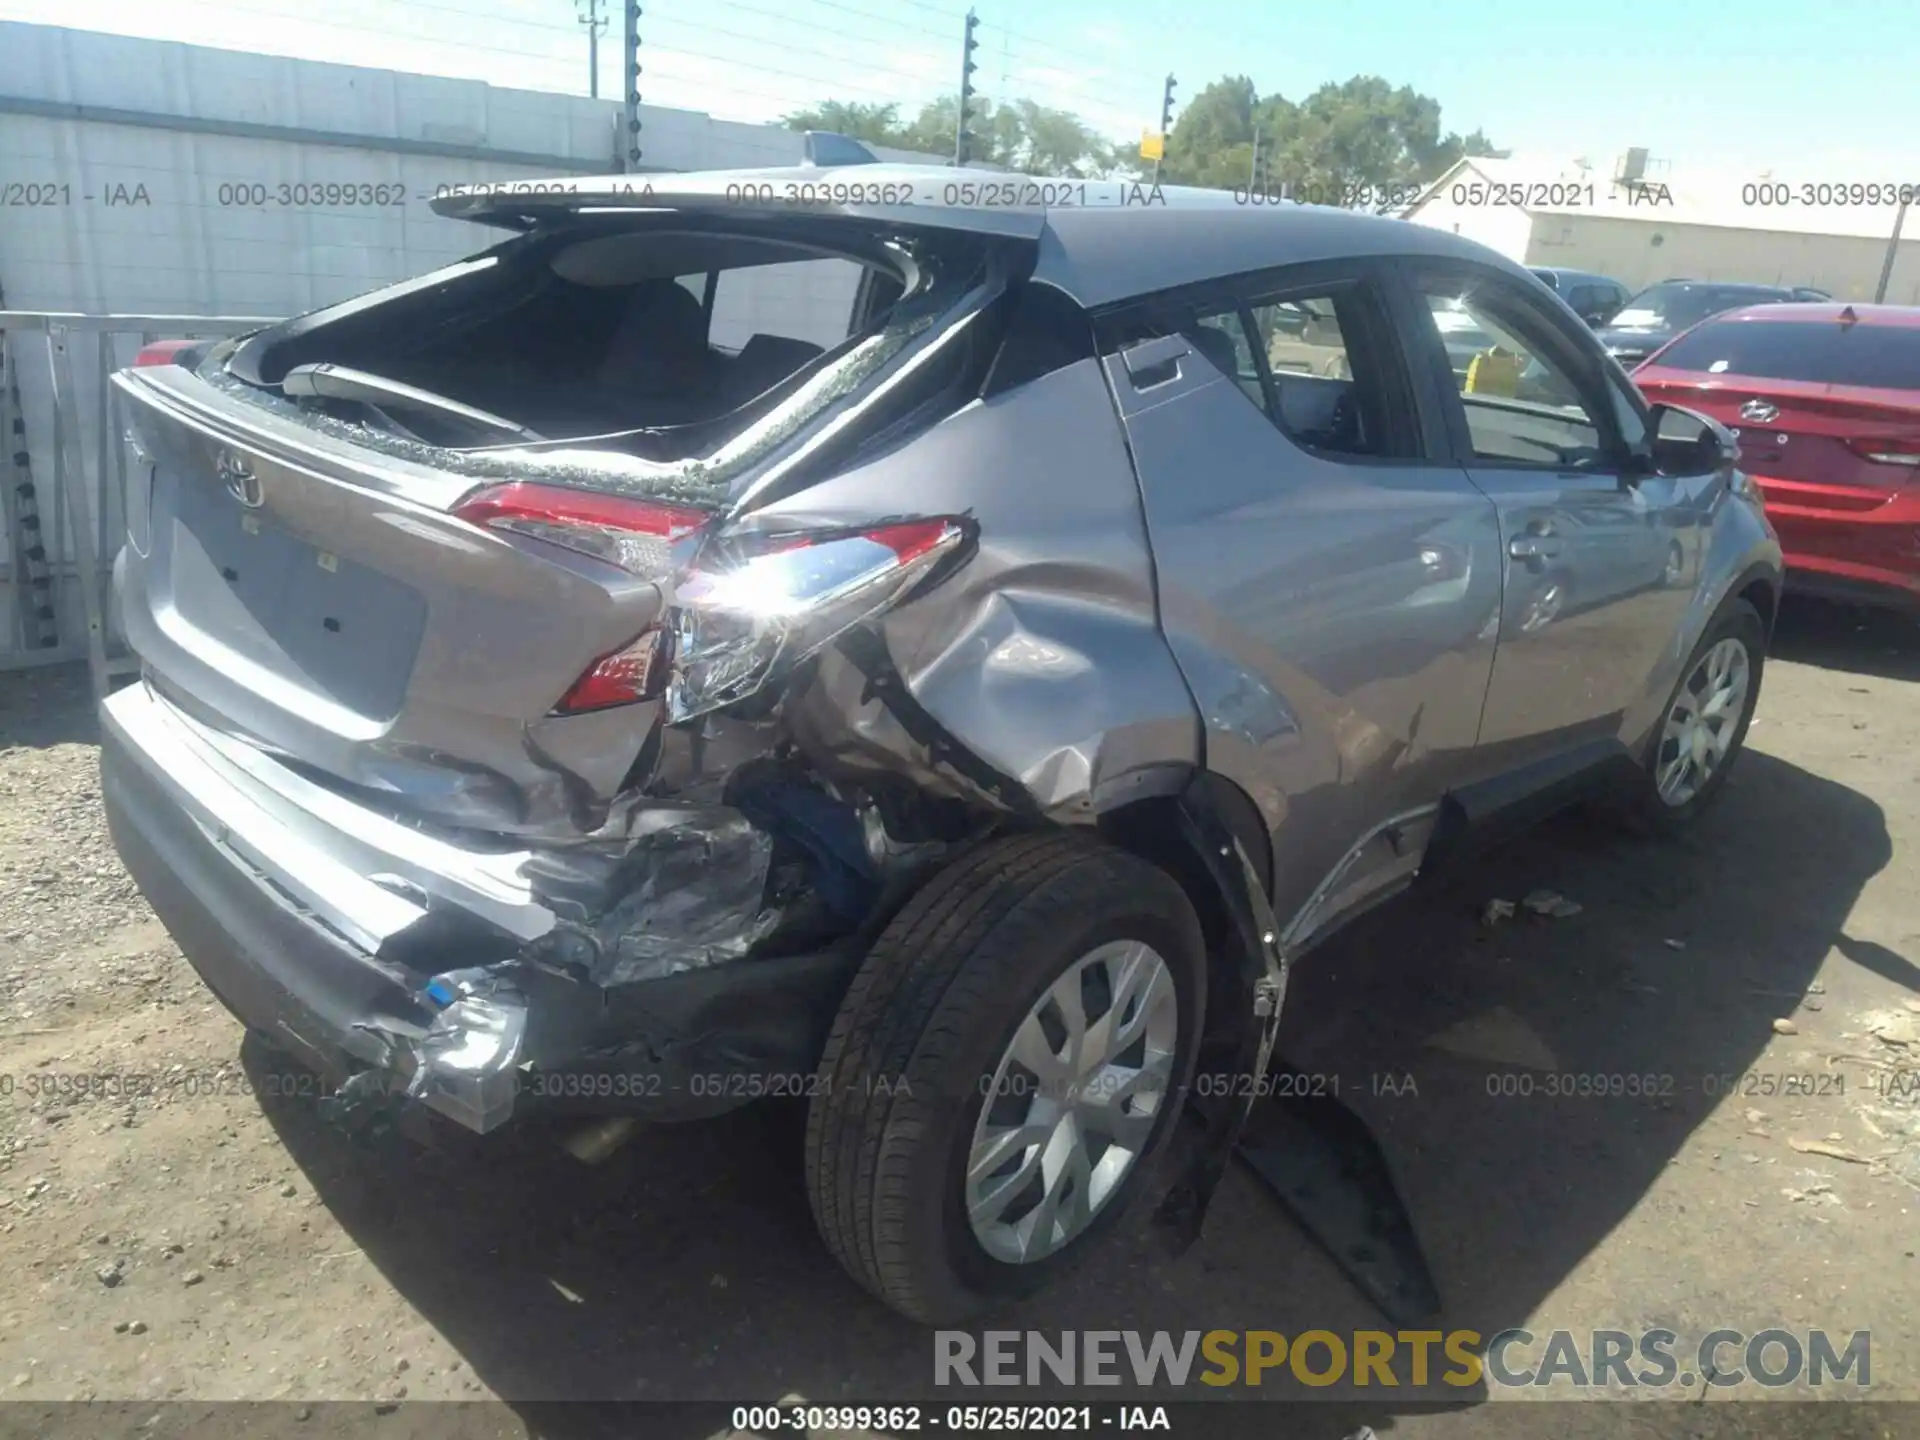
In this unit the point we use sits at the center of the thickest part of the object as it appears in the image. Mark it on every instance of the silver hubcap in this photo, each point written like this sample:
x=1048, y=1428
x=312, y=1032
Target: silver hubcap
x=1701, y=725
x=1072, y=1102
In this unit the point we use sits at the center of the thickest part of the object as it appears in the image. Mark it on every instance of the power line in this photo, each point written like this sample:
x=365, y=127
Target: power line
x=1143, y=77
x=848, y=9
x=802, y=50
x=1063, y=96
x=425, y=39
x=835, y=84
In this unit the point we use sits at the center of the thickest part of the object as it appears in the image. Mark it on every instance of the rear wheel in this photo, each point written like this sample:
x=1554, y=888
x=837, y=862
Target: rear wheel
x=1003, y=1072
x=1704, y=726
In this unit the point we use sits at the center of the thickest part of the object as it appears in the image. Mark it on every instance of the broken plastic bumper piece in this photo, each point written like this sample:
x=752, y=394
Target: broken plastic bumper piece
x=465, y=1064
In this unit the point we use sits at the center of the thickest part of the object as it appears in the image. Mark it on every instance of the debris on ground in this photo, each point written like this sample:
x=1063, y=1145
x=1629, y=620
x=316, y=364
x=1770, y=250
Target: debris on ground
x=1673, y=944
x=1819, y=1193
x=1552, y=904
x=1496, y=911
x=1893, y=1028
x=1784, y=1026
x=1831, y=1151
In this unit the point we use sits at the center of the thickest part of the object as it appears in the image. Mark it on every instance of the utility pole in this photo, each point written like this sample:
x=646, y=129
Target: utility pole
x=630, y=87
x=962, y=137
x=1253, y=165
x=1166, y=126
x=595, y=24
x=1893, y=245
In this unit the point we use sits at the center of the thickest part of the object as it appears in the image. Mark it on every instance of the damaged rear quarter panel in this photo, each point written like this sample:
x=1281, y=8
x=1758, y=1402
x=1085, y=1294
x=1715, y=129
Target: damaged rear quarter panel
x=1043, y=653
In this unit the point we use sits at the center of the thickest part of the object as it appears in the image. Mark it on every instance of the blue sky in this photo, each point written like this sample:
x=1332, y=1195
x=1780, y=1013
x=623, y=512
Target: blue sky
x=1807, y=91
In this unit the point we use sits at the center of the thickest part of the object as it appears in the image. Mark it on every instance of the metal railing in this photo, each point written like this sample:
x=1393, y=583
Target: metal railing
x=59, y=565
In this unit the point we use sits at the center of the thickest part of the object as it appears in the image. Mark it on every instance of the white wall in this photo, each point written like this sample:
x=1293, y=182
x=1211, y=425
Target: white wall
x=1505, y=228
x=191, y=241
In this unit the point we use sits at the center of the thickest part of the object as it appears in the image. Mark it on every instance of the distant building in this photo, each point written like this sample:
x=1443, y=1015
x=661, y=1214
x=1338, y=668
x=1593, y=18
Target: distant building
x=1642, y=222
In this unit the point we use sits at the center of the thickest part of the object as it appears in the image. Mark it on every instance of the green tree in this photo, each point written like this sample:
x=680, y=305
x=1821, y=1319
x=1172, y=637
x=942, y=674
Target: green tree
x=876, y=124
x=1024, y=136
x=1344, y=136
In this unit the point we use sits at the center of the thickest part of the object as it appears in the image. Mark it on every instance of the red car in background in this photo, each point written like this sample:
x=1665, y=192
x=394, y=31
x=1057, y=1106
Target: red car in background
x=1826, y=402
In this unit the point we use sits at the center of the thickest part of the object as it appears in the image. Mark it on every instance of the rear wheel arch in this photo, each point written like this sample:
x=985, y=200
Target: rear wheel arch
x=1152, y=829
x=1762, y=591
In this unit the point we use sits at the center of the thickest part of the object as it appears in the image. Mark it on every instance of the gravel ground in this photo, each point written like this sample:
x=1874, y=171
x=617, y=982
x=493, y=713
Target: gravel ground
x=180, y=1229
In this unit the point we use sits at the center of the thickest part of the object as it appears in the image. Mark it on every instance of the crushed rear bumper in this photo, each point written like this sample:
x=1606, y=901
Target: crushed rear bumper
x=272, y=905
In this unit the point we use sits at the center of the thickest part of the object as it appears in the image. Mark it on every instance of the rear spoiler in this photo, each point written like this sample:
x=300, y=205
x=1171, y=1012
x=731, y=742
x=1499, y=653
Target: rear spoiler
x=825, y=147
x=876, y=191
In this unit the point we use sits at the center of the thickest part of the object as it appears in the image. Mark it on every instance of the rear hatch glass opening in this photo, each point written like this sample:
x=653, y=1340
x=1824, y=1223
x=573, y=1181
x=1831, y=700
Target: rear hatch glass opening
x=666, y=356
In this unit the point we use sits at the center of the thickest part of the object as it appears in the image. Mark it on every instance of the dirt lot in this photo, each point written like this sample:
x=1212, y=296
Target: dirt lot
x=203, y=1240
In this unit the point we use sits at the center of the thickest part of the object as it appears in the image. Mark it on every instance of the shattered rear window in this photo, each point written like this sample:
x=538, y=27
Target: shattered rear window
x=703, y=463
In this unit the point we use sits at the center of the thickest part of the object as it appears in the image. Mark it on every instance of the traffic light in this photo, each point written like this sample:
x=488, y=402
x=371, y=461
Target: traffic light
x=962, y=137
x=1166, y=124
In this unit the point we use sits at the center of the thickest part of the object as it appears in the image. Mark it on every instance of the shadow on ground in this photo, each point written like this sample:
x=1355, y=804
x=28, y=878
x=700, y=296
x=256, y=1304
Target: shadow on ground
x=50, y=706
x=686, y=1267
x=1852, y=638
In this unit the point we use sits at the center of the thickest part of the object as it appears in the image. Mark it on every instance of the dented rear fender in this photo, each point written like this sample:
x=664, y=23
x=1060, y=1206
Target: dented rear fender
x=1041, y=658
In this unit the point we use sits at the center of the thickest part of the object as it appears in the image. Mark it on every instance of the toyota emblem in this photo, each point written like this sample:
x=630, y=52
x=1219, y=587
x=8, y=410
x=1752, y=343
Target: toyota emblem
x=1759, y=411
x=237, y=475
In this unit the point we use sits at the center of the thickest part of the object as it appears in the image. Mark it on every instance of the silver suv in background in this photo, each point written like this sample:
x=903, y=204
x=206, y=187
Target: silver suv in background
x=945, y=661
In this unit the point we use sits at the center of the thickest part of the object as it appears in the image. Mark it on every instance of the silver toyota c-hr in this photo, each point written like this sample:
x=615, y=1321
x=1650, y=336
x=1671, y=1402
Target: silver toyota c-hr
x=939, y=655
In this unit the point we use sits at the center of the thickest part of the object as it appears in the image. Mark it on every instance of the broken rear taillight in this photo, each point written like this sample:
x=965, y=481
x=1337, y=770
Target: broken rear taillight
x=743, y=608
x=638, y=535
x=635, y=534
x=751, y=608
x=636, y=671
x=163, y=352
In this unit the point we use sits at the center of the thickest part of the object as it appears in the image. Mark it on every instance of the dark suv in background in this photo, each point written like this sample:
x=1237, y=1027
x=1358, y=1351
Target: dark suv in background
x=1594, y=298
x=1660, y=312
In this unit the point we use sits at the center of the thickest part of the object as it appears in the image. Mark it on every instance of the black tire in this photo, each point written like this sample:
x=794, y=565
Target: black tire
x=917, y=1039
x=1737, y=619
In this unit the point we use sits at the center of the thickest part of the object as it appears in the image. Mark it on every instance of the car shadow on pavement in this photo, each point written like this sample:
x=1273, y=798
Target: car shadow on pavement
x=47, y=706
x=686, y=1266
x=1854, y=638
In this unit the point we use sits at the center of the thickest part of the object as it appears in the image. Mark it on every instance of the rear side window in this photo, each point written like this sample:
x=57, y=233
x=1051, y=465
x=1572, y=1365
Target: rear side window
x=806, y=300
x=1046, y=331
x=1883, y=356
x=1308, y=362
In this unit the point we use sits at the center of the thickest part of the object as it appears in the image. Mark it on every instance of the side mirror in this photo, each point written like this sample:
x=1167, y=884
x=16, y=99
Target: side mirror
x=1685, y=442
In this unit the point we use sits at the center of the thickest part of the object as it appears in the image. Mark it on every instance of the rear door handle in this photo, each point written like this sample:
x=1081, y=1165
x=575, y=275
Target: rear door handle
x=1155, y=362
x=1533, y=547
